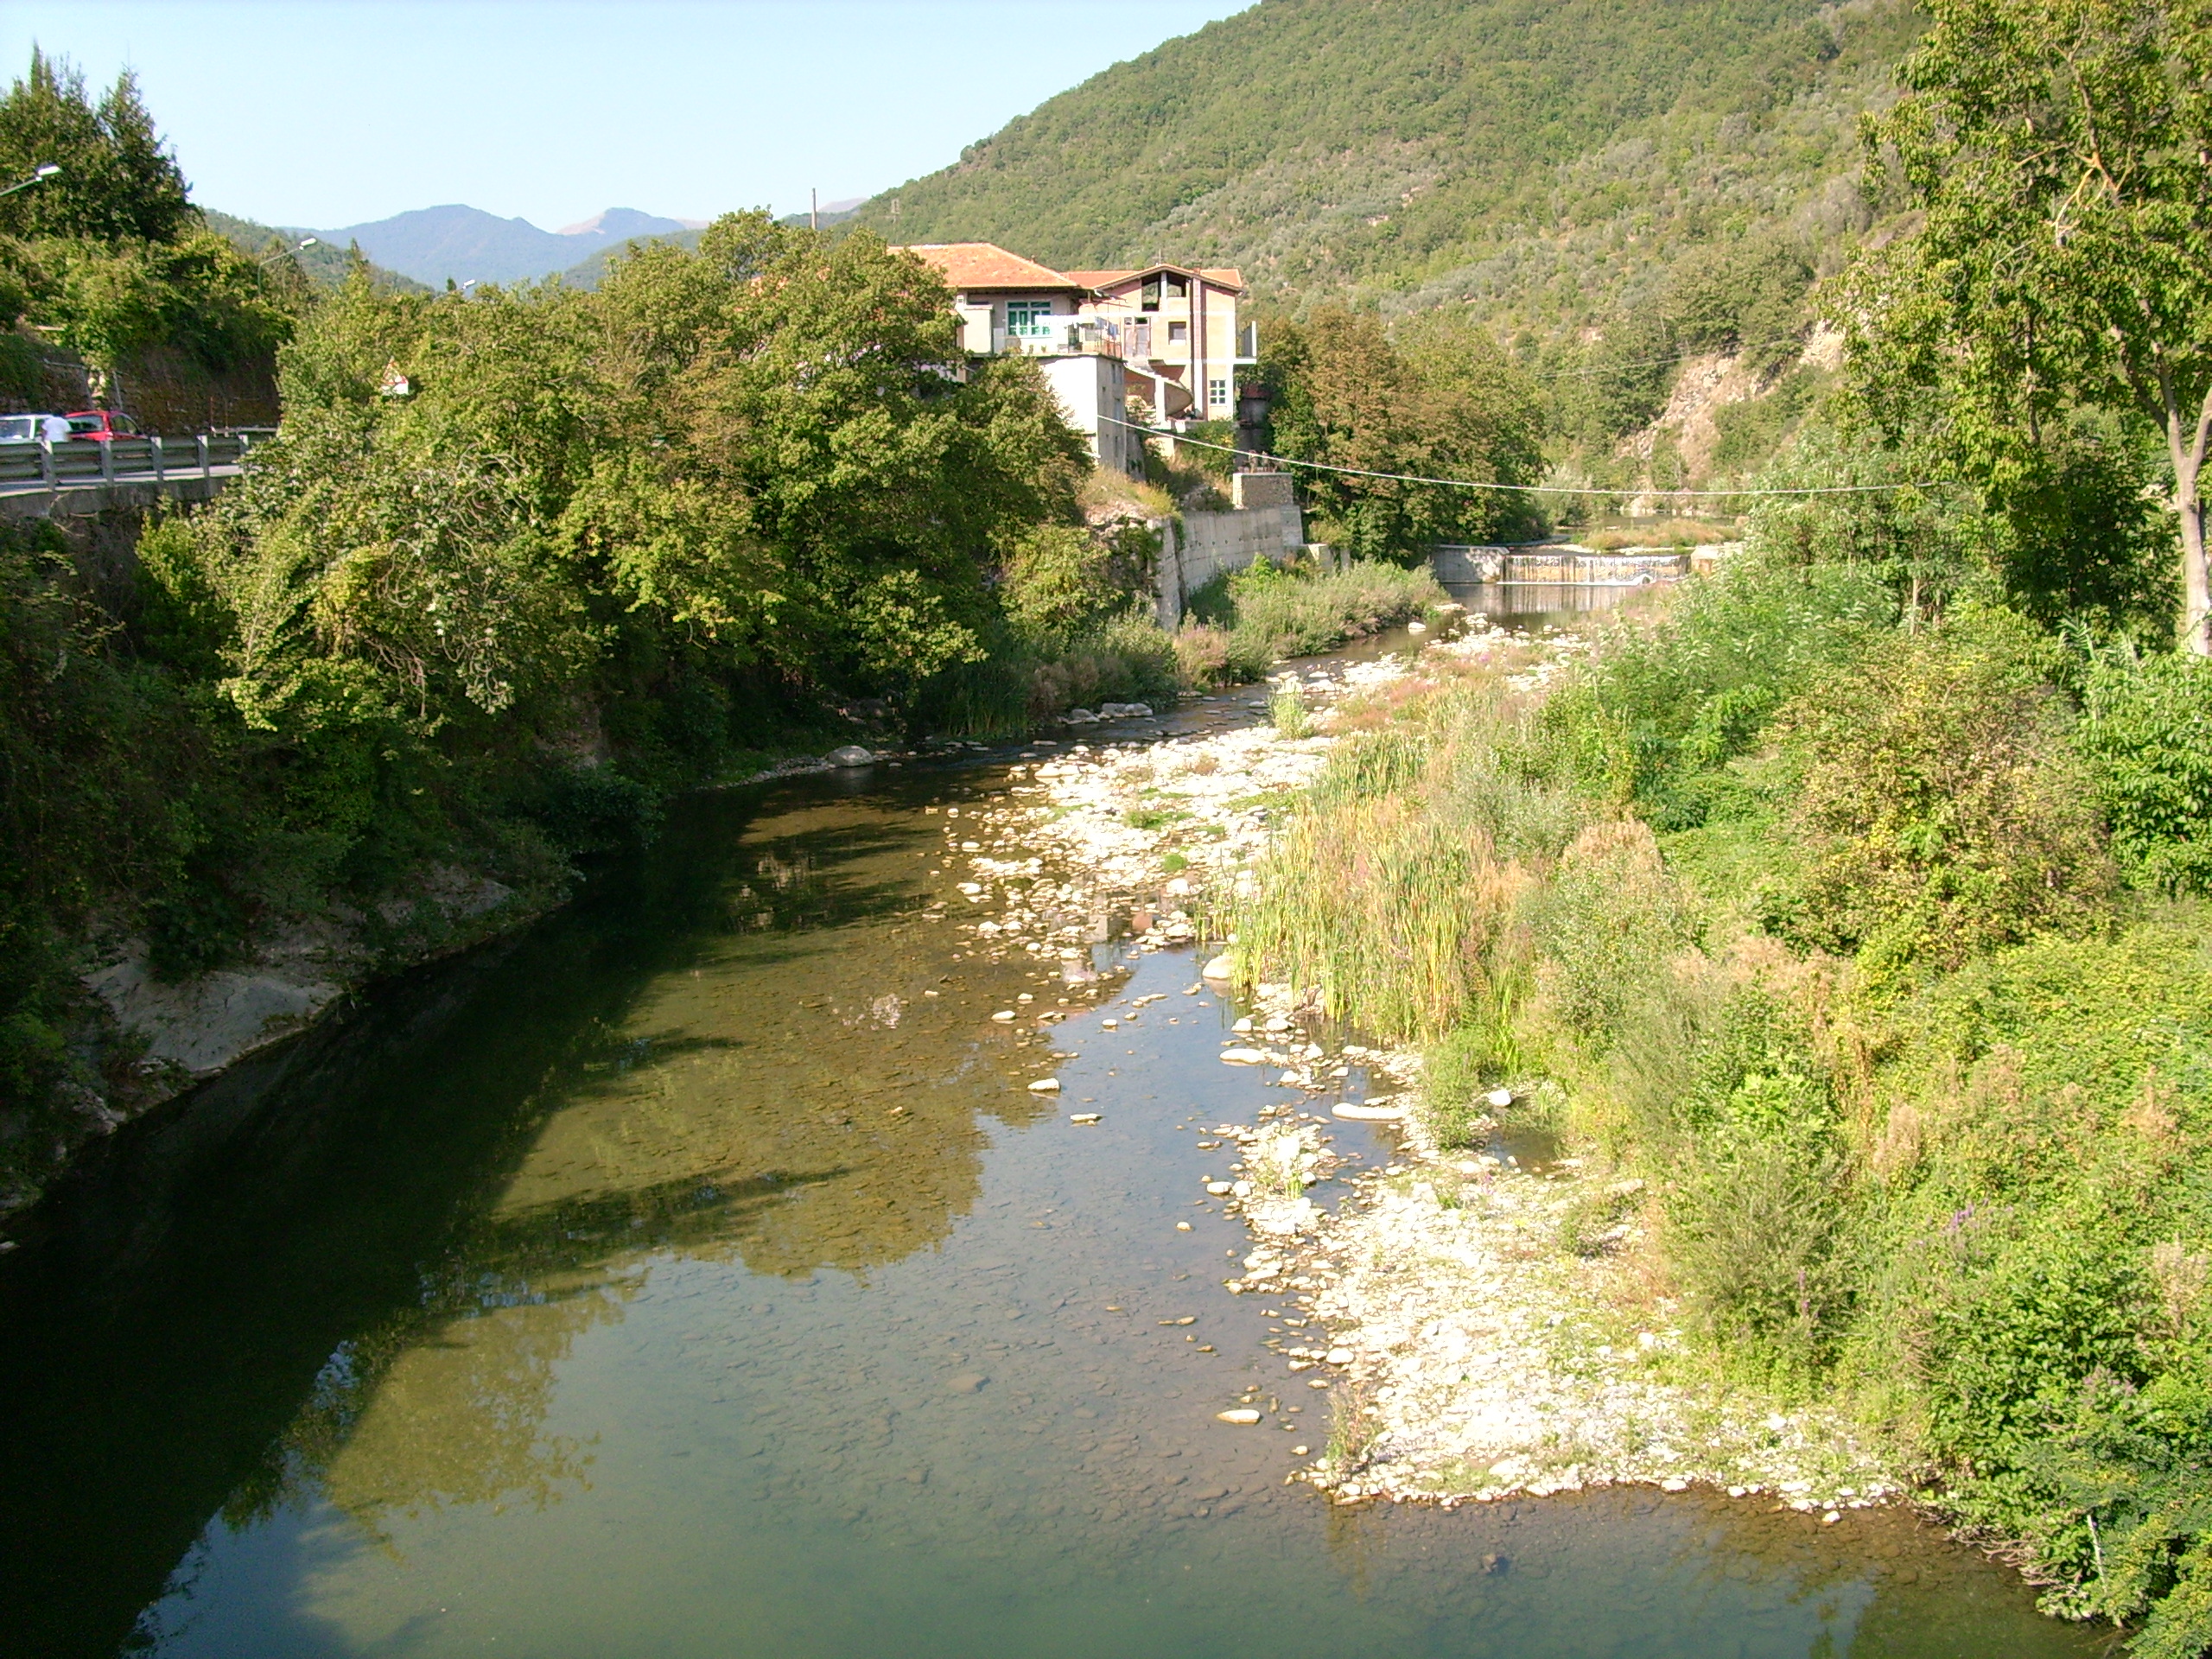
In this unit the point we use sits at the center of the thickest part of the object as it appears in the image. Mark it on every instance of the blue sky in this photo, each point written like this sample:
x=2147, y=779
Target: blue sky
x=332, y=112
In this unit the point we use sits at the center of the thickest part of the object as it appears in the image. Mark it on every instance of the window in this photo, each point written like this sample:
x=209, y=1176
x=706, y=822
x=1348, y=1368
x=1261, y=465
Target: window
x=1217, y=394
x=1178, y=331
x=1028, y=316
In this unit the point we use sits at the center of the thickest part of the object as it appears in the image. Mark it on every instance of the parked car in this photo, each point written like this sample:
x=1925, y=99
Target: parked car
x=101, y=425
x=30, y=428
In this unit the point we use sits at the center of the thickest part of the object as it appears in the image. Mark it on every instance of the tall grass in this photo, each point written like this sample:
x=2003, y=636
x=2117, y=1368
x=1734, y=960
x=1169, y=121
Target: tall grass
x=1241, y=622
x=1953, y=1176
x=1394, y=887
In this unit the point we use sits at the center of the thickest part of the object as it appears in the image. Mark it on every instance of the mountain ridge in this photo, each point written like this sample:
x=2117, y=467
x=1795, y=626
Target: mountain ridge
x=458, y=243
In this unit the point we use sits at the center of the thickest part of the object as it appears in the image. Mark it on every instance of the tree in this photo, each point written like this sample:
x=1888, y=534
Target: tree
x=118, y=182
x=2061, y=153
x=1448, y=406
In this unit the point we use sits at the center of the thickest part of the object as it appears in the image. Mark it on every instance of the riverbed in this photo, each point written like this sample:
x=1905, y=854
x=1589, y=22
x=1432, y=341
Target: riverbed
x=697, y=1273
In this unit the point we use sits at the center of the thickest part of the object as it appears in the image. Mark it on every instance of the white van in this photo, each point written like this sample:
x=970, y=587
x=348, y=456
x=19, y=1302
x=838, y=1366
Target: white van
x=29, y=429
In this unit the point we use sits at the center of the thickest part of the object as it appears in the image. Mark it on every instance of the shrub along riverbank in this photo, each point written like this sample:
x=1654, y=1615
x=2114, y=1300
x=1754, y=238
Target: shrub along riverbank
x=1874, y=944
x=599, y=551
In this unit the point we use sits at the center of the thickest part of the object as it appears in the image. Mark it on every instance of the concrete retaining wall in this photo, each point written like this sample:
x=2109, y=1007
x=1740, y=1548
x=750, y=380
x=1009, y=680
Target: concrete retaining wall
x=1211, y=542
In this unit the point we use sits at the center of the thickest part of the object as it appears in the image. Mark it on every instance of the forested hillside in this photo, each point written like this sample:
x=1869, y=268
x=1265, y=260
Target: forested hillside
x=325, y=263
x=1544, y=164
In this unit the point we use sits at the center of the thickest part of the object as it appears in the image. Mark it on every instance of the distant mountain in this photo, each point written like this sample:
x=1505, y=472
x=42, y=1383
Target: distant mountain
x=433, y=245
x=324, y=262
x=828, y=213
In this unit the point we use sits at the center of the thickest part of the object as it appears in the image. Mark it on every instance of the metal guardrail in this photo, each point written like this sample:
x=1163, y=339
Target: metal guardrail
x=80, y=464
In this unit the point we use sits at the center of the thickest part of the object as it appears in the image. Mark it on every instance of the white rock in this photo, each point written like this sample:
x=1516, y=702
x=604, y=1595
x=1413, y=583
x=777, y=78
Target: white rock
x=1498, y=1098
x=1046, y=1086
x=1003, y=1015
x=1242, y=1415
x=1368, y=1113
x=1221, y=967
x=851, y=755
x=1218, y=1189
x=1241, y=1056
x=1341, y=1356
x=1082, y=1117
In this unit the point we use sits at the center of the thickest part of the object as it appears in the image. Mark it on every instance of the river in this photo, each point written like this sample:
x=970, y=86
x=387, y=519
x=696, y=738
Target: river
x=693, y=1274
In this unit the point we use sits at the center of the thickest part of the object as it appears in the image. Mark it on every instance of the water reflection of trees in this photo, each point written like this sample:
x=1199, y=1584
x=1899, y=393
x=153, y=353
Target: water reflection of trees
x=790, y=1097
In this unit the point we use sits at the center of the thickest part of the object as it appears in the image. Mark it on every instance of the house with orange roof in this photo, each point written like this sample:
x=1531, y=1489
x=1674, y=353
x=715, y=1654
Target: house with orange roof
x=1165, y=336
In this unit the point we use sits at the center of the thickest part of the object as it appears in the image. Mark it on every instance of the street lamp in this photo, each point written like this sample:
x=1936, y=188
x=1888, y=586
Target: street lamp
x=45, y=170
x=286, y=253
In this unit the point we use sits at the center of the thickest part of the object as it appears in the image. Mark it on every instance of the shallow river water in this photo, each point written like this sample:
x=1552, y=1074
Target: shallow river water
x=693, y=1274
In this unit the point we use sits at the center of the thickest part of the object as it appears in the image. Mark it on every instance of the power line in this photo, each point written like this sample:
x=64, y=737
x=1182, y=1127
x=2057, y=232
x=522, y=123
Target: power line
x=1518, y=489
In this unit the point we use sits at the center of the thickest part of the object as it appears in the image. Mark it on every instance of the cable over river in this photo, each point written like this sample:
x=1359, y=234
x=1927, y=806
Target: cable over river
x=694, y=1275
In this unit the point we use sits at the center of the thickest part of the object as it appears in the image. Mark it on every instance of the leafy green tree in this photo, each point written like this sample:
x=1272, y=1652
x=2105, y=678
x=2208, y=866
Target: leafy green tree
x=2055, y=150
x=823, y=485
x=107, y=301
x=1448, y=406
x=118, y=181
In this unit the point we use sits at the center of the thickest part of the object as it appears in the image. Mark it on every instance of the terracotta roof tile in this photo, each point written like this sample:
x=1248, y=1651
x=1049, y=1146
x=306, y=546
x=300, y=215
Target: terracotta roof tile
x=985, y=264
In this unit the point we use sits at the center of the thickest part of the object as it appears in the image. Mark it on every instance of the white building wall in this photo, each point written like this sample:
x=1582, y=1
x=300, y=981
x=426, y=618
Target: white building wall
x=1090, y=388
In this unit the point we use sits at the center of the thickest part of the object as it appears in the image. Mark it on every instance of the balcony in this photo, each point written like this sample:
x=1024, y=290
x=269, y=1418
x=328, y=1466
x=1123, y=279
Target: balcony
x=1059, y=337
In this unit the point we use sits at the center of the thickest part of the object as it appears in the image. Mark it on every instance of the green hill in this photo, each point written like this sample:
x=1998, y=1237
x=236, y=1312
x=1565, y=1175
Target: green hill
x=1542, y=161
x=324, y=263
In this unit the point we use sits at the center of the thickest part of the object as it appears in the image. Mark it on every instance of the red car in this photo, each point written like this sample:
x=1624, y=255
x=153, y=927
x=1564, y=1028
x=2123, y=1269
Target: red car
x=101, y=425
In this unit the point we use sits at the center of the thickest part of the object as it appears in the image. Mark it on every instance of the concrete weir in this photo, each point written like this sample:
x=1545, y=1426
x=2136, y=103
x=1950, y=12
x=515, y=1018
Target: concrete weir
x=1556, y=562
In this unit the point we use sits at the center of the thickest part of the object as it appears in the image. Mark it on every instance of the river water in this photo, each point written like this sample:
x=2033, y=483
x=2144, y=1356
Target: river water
x=693, y=1274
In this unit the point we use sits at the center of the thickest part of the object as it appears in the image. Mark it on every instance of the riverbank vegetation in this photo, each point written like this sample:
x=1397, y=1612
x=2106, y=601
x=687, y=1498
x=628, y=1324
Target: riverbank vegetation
x=1856, y=906
x=519, y=564
x=1876, y=947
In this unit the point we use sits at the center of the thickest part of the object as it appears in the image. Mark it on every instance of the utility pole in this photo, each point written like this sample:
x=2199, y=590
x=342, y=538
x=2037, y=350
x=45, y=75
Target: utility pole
x=813, y=210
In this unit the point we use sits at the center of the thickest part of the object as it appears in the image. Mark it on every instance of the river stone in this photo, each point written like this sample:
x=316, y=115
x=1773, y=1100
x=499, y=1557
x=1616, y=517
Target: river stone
x=1369, y=1113
x=851, y=755
x=1221, y=967
x=1218, y=1189
x=1003, y=1016
x=1082, y=1117
x=1046, y=1086
x=1243, y=1416
x=1241, y=1056
x=1341, y=1356
x=1498, y=1099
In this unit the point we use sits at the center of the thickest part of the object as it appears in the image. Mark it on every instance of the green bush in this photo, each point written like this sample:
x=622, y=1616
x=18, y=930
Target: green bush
x=1753, y=1222
x=1606, y=928
x=1948, y=812
x=1660, y=709
x=2147, y=730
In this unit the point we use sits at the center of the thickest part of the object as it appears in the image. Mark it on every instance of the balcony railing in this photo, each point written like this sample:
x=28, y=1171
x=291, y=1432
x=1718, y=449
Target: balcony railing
x=1059, y=337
